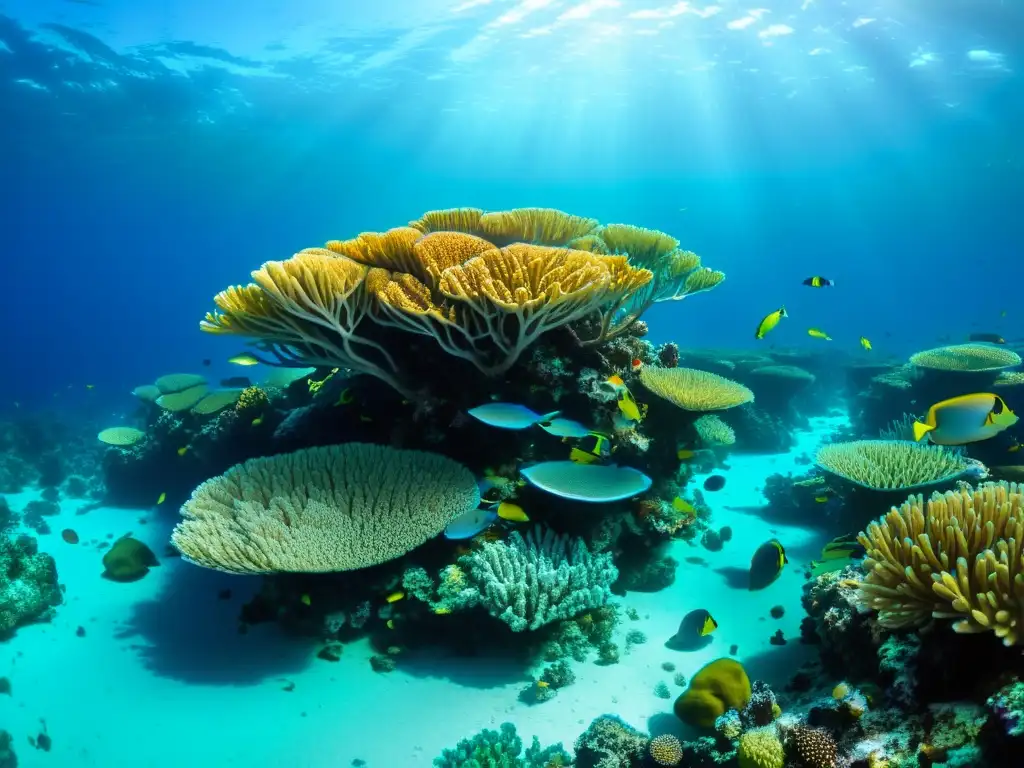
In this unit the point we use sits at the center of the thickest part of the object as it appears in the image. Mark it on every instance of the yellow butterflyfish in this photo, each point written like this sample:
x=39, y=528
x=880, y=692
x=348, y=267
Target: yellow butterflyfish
x=442, y=611
x=257, y=421
x=818, y=334
x=512, y=512
x=244, y=359
x=161, y=498
x=305, y=600
x=965, y=419
x=864, y=342
x=394, y=597
x=679, y=504
x=628, y=405
x=769, y=322
x=183, y=450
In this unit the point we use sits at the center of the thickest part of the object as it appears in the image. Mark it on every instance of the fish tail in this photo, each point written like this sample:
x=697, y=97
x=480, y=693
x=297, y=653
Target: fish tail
x=920, y=430
x=783, y=312
x=549, y=416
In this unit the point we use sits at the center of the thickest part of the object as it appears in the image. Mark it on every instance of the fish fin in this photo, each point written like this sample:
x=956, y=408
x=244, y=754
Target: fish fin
x=920, y=430
x=547, y=417
x=783, y=312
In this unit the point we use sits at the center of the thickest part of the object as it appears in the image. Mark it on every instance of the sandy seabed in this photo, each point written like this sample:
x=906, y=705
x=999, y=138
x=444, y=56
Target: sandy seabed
x=162, y=678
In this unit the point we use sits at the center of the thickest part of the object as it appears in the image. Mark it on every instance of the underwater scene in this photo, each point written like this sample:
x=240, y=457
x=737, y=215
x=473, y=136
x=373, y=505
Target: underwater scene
x=512, y=384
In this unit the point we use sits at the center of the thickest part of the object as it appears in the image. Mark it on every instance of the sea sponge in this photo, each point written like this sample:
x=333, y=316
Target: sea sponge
x=966, y=358
x=891, y=464
x=665, y=750
x=128, y=560
x=956, y=556
x=760, y=748
x=813, y=747
x=120, y=436
x=694, y=390
x=718, y=686
x=333, y=508
x=713, y=431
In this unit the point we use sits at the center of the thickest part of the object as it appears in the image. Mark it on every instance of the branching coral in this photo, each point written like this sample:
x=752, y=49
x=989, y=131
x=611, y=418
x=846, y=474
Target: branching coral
x=694, y=390
x=891, y=464
x=335, y=508
x=966, y=358
x=530, y=581
x=957, y=556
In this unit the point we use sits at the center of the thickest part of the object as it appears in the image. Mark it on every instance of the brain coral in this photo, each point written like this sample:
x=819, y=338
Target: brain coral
x=891, y=464
x=334, y=508
x=956, y=556
x=966, y=358
x=718, y=686
x=694, y=390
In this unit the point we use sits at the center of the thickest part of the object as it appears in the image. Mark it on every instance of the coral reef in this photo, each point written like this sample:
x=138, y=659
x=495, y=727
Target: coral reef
x=29, y=591
x=609, y=742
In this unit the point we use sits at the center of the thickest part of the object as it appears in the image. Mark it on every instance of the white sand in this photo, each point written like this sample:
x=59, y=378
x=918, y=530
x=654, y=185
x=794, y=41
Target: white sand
x=162, y=678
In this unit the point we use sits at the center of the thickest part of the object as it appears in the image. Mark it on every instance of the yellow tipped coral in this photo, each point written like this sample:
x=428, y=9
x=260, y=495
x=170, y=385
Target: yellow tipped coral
x=450, y=220
x=536, y=226
x=694, y=390
x=957, y=556
x=966, y=358
x=891, y=465
x=643, y=246
x=717, y=687
x=760, y=748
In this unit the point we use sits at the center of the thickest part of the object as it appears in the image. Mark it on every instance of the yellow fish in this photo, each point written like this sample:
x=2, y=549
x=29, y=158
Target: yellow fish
x=161, y=498
x=864, y=342
x=442, y=611
x=183, y=450
x=244, y=359
x=821, y=499
x=770, y=322
x=581, y=457
x=628, y=406
x=1013, y=448
x=542, y=684
x=305, y=600
x=818, y=334
x=965, y=419
x=512, y=512
x=685, y=454
x=257, y=421
x=345, y=397
x=391, y=624
x=679, y=504
x=394, y=597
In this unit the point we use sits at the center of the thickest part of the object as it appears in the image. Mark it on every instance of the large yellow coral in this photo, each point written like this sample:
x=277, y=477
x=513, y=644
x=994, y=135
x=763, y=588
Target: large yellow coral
x=891, y=465
x=335, y=508
x=760, y=748
x=966, y=358
x=694, y=390
x=958, y=555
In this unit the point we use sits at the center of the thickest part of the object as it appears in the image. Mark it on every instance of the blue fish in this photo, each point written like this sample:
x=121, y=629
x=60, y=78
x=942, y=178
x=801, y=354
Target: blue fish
x=509, y=415
x=469, y=524
x=560, y=427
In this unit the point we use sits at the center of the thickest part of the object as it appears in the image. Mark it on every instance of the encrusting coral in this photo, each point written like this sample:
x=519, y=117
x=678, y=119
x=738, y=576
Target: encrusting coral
x=694, y=390
x=712, y=431
x=29, y=590
x=334, y=508
x=957, y=556
x=891, y=464
x=532, y=580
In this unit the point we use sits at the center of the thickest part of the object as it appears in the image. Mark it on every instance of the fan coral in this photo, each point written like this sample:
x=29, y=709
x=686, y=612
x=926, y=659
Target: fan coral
x=813, y=747
x=713, y=431
x=718, y=686
x=958, y=556
x=694, y=390
x=966, y=358
x=530, y=581
x=665, y=750
x=334, y=508
x=760, y=748
x=891, y=464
